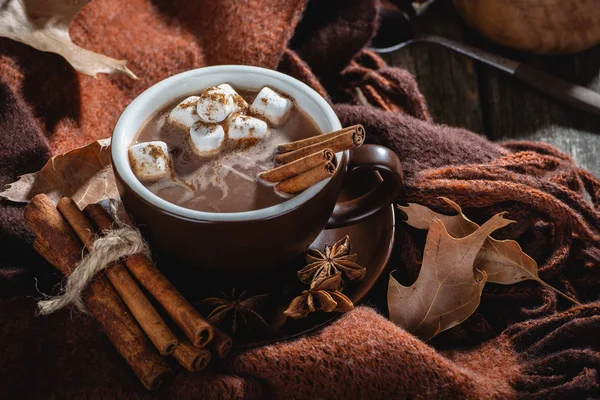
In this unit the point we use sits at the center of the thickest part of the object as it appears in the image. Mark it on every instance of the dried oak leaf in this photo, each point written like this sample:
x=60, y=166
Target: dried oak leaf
x=503, y=261
x=85, y=174
x=44, y=25
x=337, y=258
x=243, y=307
x=324, y=296
x=448, y=289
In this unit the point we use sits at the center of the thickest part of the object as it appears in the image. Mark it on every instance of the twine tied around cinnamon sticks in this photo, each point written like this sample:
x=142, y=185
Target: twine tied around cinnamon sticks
x=64, y=233
x=106, y=248
x=306, y=162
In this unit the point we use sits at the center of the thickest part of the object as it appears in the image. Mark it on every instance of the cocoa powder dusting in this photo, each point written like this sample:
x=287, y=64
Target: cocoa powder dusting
x=239, y=101
x=223, y=183
x=155, y=152
x=188, y=105
x=214, y=94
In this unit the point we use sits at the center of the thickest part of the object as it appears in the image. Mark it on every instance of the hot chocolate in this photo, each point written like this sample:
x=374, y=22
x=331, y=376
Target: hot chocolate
x=205, y=152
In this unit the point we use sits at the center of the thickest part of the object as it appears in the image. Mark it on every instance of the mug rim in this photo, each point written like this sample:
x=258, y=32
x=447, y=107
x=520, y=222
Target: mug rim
x=123, y=169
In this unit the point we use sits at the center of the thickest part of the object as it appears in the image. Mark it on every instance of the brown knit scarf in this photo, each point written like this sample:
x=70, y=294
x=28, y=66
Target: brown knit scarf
x=555, y=203
x=520, y=343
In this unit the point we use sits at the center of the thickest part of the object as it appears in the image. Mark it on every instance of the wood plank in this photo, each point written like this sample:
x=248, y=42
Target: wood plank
x=514, y=110
x=446, y=79
x=484, y=100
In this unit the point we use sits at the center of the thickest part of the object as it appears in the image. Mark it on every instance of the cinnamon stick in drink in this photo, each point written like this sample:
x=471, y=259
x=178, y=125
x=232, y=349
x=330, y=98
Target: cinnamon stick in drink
x=194, y=326
x=343, y=139
x=357, y=133
x=151, y=322
x=190, y=357
x=56, y=242
x=297, y=167
x=306, y=179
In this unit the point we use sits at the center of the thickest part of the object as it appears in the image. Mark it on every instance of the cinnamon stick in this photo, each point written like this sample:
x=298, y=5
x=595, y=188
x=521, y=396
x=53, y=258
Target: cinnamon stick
x=306, y=179
x=194, y=326
x=221, y=343
x=287, y=147
x=343, y=139
x=297, y=167
x=151, y=322
x=190, y=357
x=56, y=242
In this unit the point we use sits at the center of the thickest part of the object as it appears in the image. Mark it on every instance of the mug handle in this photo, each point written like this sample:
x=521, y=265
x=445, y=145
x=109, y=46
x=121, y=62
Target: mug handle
x=375, y=158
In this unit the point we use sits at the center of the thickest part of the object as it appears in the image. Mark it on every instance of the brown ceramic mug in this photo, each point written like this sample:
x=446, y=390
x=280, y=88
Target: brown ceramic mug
x=258, y=240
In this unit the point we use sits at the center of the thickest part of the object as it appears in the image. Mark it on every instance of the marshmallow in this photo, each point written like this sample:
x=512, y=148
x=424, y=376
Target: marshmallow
x=240, y=103
x=244, y=127
x=214, y=105
x=150, y=161
x=184, y=115
x=206, y=139
x=271, y=105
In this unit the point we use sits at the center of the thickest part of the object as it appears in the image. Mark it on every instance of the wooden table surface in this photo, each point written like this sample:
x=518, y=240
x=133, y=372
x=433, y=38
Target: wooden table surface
x=464, y=93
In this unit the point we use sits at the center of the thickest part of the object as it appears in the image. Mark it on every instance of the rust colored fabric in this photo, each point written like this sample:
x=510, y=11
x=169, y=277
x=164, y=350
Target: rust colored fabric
x=158, y=39
x=522, y=342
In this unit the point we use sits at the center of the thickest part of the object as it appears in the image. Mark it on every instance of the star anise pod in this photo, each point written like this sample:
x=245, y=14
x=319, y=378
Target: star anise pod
x=324, y=296
x=242, y=308
x=337, y=258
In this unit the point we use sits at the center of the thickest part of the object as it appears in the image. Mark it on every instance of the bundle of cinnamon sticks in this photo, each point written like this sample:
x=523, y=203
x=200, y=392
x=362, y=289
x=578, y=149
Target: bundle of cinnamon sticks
x=135, y=327
x=309, y=161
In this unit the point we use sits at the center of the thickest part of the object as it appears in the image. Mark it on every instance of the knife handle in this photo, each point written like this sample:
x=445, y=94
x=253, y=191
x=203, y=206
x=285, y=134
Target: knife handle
x=574, y=95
